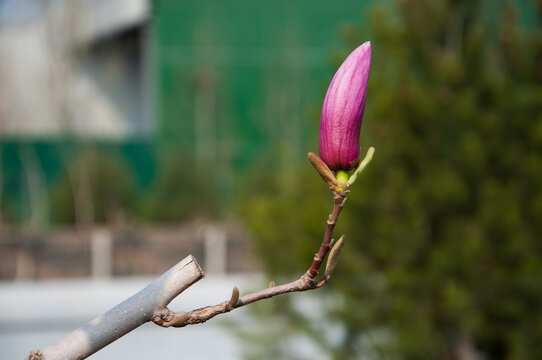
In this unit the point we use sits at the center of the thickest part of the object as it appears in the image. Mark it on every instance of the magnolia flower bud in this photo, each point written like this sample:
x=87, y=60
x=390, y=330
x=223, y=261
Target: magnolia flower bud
x=342, y=111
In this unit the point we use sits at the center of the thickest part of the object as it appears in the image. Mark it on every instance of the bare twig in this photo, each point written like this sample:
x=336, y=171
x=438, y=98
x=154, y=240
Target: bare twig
x=339, y=200
x=308, y=281
x=167, y=318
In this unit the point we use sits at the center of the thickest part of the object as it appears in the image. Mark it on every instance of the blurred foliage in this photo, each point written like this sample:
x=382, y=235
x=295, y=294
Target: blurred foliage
x=178, y=194
x=96, y=187
x=108, y=193
x=443, y=251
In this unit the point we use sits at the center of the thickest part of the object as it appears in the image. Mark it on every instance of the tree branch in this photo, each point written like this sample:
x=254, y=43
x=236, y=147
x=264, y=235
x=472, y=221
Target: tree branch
x=150, y=304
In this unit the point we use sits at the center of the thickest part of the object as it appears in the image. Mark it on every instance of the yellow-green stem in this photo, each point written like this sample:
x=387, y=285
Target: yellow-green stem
x=342, y=176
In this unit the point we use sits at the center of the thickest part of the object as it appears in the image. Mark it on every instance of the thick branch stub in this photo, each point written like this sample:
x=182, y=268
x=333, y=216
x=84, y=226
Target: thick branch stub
x=126, y=316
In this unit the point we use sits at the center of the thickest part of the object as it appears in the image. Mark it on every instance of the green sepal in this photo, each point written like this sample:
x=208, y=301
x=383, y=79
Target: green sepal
x=362, y=165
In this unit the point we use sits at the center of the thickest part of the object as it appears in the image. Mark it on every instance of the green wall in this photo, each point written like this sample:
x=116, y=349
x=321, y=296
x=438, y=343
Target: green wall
x=49, y=160
x=237, y=79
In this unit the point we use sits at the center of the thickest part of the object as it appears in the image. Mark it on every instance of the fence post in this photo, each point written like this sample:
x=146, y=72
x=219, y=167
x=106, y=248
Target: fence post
x=101, y=253
x=215, y=250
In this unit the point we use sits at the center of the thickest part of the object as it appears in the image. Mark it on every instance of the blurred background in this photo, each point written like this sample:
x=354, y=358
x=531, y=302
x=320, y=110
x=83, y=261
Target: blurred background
x=136, y=132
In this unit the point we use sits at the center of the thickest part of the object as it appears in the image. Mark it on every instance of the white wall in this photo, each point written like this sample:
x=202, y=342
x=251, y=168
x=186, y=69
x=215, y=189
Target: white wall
x=45, y=86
